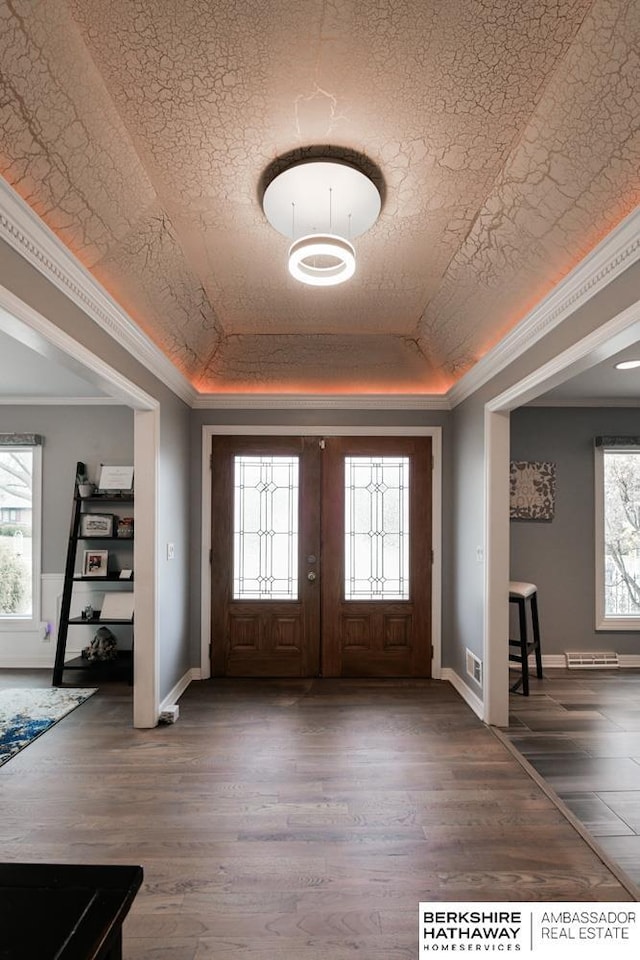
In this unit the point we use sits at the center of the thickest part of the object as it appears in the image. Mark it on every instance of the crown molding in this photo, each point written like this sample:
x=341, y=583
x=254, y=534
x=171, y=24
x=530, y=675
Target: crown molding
x=290, y=401
x=23, y=230
x=619, y=250
x=19, y=319
x=614, y=335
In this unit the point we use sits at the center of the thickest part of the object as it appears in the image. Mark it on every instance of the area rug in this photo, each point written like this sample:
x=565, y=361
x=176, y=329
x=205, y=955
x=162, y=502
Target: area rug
x=26, y=713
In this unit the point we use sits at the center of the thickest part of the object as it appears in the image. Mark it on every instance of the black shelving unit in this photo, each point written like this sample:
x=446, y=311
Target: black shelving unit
x=124, y=661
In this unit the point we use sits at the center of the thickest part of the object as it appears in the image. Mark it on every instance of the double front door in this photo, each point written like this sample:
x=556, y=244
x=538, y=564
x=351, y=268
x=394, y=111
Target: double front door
x=321, y=556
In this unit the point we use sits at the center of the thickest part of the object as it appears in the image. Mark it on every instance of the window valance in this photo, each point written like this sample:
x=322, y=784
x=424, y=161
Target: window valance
x=617, y=441
x=20, y=440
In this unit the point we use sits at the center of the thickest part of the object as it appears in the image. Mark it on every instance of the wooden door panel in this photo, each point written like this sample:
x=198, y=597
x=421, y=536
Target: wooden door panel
x=396, y=632
x=376, y=638
x=264, y=637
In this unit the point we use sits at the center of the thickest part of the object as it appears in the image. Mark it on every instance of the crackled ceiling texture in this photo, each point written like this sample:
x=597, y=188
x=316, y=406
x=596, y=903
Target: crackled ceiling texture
x=506, y=133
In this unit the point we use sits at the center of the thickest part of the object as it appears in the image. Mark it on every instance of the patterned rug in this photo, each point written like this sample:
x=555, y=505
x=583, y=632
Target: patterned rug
x=26, y=713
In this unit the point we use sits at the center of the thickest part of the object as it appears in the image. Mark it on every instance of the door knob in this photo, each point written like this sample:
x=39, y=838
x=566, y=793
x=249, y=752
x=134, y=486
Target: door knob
x=311, y=576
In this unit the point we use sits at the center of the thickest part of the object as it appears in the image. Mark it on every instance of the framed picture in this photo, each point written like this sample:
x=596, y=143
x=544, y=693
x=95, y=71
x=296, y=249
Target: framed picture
x=96, y=525
x=94, y=563
x=115, y=478
x=532, y=490
x=117, y=606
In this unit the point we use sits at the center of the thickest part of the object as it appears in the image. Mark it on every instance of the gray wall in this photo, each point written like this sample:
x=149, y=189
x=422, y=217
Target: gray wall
x=466, y=591
x=174, y=467
x=93, y=434
x=305, y=418
x=559, y=556
x=174, y=514
x=464, y=594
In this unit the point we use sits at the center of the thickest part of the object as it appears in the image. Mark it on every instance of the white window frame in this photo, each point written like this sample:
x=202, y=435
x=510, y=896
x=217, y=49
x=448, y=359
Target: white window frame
x=604, y=621
x=15, y=624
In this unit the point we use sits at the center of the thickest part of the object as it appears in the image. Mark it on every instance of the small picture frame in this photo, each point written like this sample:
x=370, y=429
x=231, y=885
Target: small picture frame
x=96, y=525
x=124, y=528
x=115, y=479
x=95, y=563
x=117, y=606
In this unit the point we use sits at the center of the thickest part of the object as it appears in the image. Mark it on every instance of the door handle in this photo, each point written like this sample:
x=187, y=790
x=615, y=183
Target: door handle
x=311, y=576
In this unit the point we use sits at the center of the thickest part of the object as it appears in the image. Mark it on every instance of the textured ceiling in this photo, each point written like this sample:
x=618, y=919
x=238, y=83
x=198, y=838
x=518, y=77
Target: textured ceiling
x=506, y=133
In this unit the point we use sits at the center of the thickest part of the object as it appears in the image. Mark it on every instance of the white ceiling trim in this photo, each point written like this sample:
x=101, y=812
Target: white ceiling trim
x=25, y=324
x=53, y=401
x=615, y=335
x=26, y=233
x=289, y=401
x=616, y=253
x=587, y=402
x=29, y=235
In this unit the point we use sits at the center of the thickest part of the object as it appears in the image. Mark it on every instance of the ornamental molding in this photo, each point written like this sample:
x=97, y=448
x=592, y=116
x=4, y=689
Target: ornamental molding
x=26, y=233
x=290, y=401
x=619, y=250
x=23, y=230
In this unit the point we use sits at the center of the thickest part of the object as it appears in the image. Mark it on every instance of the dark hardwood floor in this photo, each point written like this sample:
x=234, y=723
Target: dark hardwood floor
x=293, y=820
x=581, y=731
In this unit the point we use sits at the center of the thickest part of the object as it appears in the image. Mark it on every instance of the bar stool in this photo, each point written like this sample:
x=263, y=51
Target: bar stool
x=519, y=593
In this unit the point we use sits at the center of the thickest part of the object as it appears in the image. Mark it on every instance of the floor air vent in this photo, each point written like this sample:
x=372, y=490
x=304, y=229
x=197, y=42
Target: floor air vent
x=591, y=661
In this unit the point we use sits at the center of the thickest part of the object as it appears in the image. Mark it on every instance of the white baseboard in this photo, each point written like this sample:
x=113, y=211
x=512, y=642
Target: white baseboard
x=465, y=691
x=176, y=691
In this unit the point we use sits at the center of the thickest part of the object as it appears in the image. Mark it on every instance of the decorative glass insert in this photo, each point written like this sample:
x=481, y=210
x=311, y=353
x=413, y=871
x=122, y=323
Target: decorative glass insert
x=265, y=528
x=376, y=525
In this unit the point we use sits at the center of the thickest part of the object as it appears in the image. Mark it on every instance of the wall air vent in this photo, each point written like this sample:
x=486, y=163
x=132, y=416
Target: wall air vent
x=592, y=661
x=474, y=667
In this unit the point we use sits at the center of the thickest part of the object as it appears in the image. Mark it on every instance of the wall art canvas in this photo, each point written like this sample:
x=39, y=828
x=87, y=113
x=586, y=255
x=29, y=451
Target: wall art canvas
x=533, y=490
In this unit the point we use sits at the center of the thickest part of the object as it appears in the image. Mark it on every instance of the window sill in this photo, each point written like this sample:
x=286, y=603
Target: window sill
x=618, y=625
x=20, y=625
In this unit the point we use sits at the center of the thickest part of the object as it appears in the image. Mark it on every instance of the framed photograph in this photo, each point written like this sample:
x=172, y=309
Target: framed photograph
x=96, y=525
x=94, y=563
x=115, y=479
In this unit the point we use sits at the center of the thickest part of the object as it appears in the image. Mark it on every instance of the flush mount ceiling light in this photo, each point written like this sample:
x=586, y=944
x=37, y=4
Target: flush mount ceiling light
x=321, y=205
x=628, y=365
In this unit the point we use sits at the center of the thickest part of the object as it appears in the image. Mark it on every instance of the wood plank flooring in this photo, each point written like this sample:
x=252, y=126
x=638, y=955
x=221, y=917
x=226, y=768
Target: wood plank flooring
x=293, y=820
x=581, y=731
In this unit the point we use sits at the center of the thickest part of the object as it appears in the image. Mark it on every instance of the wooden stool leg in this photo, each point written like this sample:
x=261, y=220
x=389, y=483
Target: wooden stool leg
x=536, y=634
x=522, y=616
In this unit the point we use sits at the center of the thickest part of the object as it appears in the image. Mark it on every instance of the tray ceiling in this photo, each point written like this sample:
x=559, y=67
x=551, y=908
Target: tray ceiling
x=505, y=132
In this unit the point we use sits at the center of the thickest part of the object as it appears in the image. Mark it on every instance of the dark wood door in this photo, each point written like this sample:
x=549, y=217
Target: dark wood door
x=321, y=556
x=265, y=526
x=376, y=557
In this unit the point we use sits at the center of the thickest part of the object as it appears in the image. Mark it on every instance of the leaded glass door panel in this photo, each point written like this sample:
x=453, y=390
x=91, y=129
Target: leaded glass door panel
x=376, y=587
x=265, y=515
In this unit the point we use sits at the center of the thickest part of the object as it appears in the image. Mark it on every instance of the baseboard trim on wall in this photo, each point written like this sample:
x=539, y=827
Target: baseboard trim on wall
x=465, y=692
x=176, y=691
x=625, y=661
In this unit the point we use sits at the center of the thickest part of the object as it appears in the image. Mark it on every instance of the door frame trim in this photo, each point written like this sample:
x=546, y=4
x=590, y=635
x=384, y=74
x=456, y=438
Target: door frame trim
x=211, y=430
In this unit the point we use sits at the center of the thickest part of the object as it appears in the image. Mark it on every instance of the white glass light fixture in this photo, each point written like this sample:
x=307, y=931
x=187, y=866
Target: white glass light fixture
x=628, y=365
x=321, y=205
